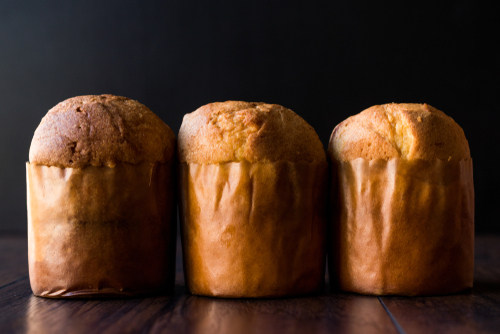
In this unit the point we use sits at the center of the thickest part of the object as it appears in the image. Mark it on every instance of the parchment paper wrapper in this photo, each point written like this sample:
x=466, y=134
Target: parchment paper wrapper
x=101, y=231
x=402, y=227
x=253, y=230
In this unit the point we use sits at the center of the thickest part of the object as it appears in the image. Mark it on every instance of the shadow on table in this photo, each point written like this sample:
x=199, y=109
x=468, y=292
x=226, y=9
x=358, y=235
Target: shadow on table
x=485, y=287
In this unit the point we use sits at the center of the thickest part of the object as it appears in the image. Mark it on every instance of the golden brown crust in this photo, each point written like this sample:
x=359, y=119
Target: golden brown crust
x=408, y=130
x=234, y=131
x=101, y=130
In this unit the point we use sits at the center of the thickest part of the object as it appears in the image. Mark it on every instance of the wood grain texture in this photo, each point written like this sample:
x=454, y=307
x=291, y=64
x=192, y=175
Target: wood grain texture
x=476, y=311
x=13, y=258
x=21, y=312
x=330, y=312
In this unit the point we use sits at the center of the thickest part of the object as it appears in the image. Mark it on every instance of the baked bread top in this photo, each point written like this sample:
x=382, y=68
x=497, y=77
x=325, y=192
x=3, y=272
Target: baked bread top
x=101, y=130
x=234, y=131
x=407, y=130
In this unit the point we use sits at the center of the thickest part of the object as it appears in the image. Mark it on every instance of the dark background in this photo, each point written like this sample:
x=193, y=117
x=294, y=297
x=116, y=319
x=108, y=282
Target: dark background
x=324, y=60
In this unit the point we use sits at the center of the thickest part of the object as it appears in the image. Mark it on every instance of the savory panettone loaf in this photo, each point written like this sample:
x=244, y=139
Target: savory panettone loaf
x=101, y=200
x=407, y=130
x=256, y=132
x=402, y=203
x=253, y=189
x=100, y=130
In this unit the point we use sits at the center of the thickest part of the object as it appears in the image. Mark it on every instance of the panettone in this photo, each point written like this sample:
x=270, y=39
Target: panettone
x=252, y=187
x=101, y=200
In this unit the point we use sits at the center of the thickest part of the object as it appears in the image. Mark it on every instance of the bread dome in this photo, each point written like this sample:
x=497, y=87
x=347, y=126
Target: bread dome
x=402, y=204
x=234, y=131
x=252, y=187
x=408, y=130
x=100, y=130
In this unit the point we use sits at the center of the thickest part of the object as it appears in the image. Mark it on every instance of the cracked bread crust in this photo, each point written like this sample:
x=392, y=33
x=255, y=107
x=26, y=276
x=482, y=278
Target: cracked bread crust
x=408, y=130
x=234, y=131
x=100, y=130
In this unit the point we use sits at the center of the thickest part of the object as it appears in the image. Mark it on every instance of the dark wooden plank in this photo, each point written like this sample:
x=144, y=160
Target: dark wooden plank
x=21, y=312
x=477, y=311
x=13, y=258
x=332, y=313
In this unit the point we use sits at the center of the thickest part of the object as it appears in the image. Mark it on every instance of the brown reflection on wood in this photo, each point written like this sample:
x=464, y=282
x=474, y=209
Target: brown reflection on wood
x=20, y=311
x=321, y=314
x=476, y=311
x=93, y=316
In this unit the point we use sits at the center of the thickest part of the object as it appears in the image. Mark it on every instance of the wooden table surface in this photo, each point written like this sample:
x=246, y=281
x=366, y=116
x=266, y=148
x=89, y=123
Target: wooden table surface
x=477, y=311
